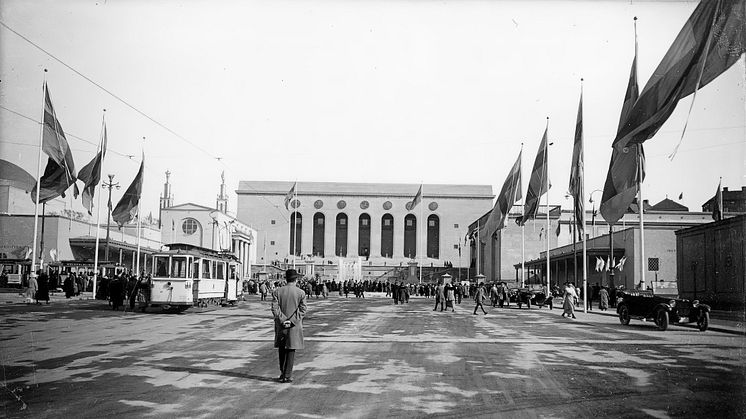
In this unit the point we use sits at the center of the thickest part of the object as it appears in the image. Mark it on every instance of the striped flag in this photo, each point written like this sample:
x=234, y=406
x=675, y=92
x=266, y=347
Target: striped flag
x=90, y=174
x=289, y=196
x=620, y=188
x=711, y=41
x=127, y=207
x=539, y=183
x=59, y=173
x=577, y=171
x=509, y=195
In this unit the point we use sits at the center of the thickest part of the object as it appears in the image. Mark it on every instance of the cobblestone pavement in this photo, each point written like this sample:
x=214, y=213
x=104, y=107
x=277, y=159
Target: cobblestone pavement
x=363, y=358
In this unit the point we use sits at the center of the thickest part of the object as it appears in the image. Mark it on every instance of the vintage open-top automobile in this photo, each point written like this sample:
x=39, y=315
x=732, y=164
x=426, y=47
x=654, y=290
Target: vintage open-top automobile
x=529, y=297
x=644, y=305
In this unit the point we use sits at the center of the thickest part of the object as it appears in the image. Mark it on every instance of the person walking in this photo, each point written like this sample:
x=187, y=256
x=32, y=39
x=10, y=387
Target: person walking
x=439, y=296
x=478, y=298
x=603, y=295
x=450, y=296
x=33, y=288
x=43, y=293
x=263, y=291
x=288, y=309
x=568, y=306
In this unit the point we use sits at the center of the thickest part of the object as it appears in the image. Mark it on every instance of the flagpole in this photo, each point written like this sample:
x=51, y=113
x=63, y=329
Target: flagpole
x=546, y=180
x=424, y=224
x=479, y=247
x=582, y=213
x=38, y=175
x=137, y=263
x=295, y=222
x=98, y=210
x=523, y=229
x=641, y=209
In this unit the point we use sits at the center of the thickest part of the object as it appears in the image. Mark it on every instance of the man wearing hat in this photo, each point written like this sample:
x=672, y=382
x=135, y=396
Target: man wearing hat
x=288, y=308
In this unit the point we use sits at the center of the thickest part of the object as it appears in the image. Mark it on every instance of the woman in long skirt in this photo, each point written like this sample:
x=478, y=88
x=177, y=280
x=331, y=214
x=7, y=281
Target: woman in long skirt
x=568, y=306
x=603, y=296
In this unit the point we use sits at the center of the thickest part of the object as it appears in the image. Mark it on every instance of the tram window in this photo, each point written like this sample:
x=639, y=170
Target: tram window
x=161, y=266
x=205, y=269
x=195, y=269
x=178, y=267
x=232, y=271
x=221, y=269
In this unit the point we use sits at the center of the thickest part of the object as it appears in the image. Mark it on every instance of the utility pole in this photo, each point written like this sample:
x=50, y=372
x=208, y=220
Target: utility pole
x=111, y=185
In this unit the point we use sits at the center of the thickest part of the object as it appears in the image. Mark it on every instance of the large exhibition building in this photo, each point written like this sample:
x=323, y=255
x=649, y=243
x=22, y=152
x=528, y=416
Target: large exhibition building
x=373, y=221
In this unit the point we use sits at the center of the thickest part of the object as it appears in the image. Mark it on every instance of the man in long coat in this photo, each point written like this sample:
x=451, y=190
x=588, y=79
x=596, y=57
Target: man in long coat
x=288, y=305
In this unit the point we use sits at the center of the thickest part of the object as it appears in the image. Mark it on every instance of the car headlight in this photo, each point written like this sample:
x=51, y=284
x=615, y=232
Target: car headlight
x=672, y=303
x=695, y=303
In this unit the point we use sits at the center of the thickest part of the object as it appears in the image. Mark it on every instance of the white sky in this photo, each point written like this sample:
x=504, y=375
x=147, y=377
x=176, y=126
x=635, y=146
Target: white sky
x=357, y=91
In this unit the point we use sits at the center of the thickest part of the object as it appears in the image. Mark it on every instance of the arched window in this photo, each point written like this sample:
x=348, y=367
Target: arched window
x=433, y=236
x=410, y=236
x=340, y=245
x=318, y=234
x=363, y=236
x=387, y=236
x=296, y=233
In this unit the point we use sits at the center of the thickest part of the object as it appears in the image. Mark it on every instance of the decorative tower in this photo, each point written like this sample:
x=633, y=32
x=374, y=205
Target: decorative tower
x=222, y=201
x=167, y=200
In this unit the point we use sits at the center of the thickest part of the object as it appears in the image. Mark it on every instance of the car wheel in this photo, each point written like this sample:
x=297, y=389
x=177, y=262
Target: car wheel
x=661, y=320
x=624, y=315
x=704, y=321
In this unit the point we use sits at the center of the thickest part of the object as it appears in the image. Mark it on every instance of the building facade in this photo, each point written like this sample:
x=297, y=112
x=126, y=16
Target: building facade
x=499, y=256
x=325, y=221
x=209, y=228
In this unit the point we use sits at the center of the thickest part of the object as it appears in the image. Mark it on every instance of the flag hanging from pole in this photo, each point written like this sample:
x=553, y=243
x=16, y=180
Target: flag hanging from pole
x=712, y=40
x=577, y=171
x=509, y=195
x=126, y=209
x=620, y=188
x=59, y=173
x=417, y=198
x=90, y=174
x=539, y=183
x=717, y=205
x=289, y=196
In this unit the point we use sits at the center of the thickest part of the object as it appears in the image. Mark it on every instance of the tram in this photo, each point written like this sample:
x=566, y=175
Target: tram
x=186, y=276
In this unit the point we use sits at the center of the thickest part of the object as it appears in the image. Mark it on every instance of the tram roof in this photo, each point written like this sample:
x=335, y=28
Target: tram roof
x=184, y=249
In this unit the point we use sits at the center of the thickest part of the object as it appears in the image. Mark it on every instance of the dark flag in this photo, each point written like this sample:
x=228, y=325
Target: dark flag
x=126, y=209
x=539, y=183
x=577, y=171
x=289, y=196
x=558, y=231
x=90, y=174
x=509, y=195
x=417, y=198
x=717, y=204
x=681, y=196
x=620, y=188
x=711, y=41
x=59, y=174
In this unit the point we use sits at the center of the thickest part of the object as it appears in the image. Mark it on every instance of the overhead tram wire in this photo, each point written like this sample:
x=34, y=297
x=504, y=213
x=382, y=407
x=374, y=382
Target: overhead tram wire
x=143, y=114
x=66, y=133
x=112, y=94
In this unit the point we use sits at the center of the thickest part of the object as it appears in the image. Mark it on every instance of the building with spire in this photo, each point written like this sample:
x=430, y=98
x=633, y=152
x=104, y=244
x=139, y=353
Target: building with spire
x=167, y=199
x=222, y=201
x=209, y=228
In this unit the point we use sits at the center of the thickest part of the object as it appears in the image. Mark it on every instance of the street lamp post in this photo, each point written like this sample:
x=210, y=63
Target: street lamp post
x=593, y=211
x=111, y=185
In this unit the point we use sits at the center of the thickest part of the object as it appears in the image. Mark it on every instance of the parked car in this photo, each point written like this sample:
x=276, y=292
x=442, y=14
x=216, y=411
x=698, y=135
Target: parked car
x=531, y=297
x=644, y=305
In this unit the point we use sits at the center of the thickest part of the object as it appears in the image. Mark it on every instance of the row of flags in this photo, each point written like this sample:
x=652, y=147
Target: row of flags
x=59, y=174
x=609, y=264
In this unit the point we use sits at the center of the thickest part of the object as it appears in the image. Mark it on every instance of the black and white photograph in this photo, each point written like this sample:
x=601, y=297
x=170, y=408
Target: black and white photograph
x=373, y=209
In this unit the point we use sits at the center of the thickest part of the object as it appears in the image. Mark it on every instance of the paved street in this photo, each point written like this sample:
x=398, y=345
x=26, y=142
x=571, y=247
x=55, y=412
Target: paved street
x=363, y=358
